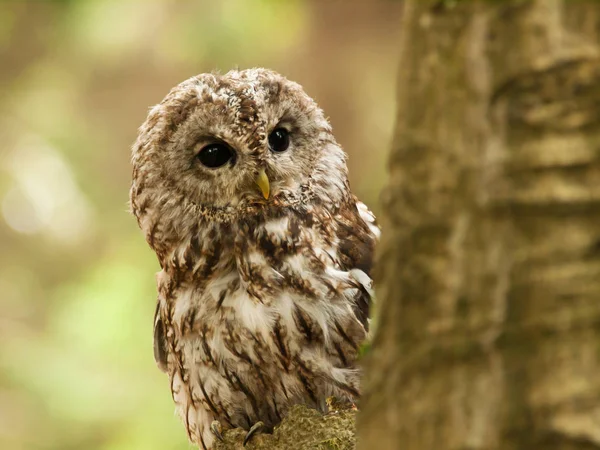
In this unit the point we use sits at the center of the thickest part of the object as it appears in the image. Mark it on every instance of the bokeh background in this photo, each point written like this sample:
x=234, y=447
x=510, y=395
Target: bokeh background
x=76, y=278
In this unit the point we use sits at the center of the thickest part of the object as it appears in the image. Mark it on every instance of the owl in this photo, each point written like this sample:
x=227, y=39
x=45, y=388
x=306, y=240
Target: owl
x=241, y=189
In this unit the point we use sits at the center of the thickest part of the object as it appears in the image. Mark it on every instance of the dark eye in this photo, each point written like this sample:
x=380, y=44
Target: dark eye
x=215, y=155
x=279, y=140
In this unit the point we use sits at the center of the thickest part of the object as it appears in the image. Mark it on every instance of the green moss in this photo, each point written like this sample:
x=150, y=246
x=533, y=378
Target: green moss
x=301, y=429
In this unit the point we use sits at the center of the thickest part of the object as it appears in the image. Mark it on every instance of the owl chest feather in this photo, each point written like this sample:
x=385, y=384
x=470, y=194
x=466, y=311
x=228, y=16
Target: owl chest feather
x=274, y=324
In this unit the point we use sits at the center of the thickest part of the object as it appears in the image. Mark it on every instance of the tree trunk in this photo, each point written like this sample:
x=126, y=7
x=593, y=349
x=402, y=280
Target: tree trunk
x=489, y=273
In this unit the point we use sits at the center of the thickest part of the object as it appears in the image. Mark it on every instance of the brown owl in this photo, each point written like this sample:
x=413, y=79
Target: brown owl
x=263, y=298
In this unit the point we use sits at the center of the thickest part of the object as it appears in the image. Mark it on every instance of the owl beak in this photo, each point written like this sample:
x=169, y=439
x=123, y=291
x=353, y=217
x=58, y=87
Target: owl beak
x=263, y=183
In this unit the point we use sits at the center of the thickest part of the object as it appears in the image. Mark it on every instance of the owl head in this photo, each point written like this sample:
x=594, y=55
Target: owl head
x=222, y=146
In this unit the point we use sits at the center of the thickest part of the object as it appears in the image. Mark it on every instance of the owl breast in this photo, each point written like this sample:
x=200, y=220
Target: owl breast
x=277, y=322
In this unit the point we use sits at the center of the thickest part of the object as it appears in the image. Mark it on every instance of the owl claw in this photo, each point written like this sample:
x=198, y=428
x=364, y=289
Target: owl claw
x=216, y=429
x=256, y=428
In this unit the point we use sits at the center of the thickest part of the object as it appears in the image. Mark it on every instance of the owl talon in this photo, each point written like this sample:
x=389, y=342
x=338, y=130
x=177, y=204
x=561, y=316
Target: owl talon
x=216, y=429
x=256, y=428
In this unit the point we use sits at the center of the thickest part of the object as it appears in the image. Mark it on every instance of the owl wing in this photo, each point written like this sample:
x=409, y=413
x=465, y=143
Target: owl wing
x=358, y=233
x=160, y=343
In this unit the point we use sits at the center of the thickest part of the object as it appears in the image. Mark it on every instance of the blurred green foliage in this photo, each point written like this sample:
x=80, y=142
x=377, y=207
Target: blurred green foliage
x=76, y=277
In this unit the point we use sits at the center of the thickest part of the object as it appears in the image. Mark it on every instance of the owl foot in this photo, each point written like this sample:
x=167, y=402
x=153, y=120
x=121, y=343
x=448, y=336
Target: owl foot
x=256, y=428
x=216, y=429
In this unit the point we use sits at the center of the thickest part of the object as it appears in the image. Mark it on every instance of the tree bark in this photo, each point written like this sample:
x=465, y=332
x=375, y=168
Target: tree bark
x=488, y=278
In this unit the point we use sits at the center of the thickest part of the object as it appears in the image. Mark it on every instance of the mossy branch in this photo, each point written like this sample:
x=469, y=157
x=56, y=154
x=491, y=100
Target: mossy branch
x=303, y=429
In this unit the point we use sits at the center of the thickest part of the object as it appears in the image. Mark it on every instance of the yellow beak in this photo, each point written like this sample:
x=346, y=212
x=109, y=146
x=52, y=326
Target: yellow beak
x=263, y=183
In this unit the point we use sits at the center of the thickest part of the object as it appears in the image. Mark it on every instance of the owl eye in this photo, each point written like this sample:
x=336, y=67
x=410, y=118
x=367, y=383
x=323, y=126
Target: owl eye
x=279, y=140
x=215, y=155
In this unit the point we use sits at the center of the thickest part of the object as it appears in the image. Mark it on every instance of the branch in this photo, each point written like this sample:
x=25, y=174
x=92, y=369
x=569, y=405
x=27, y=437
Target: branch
x=302, y=428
